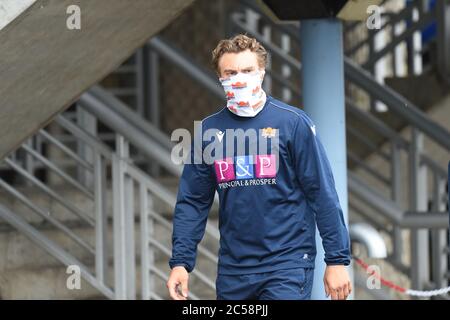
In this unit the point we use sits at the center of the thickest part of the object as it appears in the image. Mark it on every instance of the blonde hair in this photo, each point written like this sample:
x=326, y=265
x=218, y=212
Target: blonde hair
x=237, y=44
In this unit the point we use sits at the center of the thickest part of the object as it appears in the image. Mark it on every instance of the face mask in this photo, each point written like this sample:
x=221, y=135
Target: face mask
x=244, y=94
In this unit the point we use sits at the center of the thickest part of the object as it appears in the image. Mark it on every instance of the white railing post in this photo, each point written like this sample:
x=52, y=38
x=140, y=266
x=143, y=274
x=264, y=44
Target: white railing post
x=154, y=104
x=101, y=219
x=29, y=161
x=124, y=251
x=396, y=195
x=147, y=256
x=381, y=66
x=420, y=257
x=416, y=45
x=439, y=236
x=87, y=122
x=118, y=230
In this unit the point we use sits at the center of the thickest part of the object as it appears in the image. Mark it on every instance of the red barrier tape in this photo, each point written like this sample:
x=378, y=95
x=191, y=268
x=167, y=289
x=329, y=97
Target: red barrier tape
x=385, y=282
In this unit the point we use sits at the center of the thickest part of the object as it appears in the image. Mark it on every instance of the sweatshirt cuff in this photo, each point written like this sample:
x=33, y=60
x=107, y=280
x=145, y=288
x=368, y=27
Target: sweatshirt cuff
x=338, y=262
x=180, y=264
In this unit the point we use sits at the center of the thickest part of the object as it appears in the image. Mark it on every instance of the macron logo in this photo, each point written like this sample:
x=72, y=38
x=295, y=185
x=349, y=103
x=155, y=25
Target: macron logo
x=219, y=135
x=313, y=129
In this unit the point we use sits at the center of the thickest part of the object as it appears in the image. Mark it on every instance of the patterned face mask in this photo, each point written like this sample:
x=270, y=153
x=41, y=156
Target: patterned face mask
x=244, y=94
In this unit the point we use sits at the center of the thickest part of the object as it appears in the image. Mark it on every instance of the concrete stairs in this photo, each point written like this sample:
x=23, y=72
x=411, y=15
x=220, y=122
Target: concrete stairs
x=425, y=91
x=29, y=272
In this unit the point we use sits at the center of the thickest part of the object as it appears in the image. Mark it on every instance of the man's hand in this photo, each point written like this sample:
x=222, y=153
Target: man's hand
x=337, y=282
x=178, y=277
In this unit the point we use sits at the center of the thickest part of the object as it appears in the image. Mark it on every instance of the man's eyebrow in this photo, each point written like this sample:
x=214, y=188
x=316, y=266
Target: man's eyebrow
x=234, y=70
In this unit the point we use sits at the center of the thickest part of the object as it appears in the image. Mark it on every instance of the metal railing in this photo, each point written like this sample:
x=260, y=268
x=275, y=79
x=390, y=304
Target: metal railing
x=400, y=28
x=398, y=42
x=134, y=132
x=134, y=185
x=88, y=213
x=101, y=176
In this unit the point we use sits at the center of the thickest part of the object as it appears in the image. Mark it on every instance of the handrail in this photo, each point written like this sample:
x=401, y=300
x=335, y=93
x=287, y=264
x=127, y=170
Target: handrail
x=385, y=206
x=390, y=134
x=355, y=158
x=391, y=211
x=354, y=133
x=50, y=165
x=376, y=124
x=371, y=238
x=119, y=107
x=163, y=194
x=85, y=136
x=185, y=63
x=66, y=150
x=50, y=192
x=149, y=147
x=379, y=221
x=39, y=211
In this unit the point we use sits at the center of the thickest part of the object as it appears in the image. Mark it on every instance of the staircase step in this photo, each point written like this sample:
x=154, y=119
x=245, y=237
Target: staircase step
x=17, y=253
x=49, y=282
x=78, y=199
x=41, y=283
x=413, y=88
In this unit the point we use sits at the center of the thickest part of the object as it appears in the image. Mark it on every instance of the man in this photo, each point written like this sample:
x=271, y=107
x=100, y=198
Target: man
x=271, y=198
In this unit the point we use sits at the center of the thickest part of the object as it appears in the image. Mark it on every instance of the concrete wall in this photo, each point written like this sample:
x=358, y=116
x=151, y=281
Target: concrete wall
x=44, y=66
x=11, y=9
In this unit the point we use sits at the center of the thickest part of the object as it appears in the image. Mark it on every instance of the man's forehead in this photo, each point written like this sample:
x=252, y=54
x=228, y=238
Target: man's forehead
x=241, y=60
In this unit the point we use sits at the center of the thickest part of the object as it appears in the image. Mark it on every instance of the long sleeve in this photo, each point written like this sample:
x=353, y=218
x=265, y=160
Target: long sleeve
x=316, y=179
x=194, y=199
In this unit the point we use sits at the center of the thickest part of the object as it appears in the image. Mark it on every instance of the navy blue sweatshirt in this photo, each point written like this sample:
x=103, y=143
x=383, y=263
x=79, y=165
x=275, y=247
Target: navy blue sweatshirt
x=270, y=202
